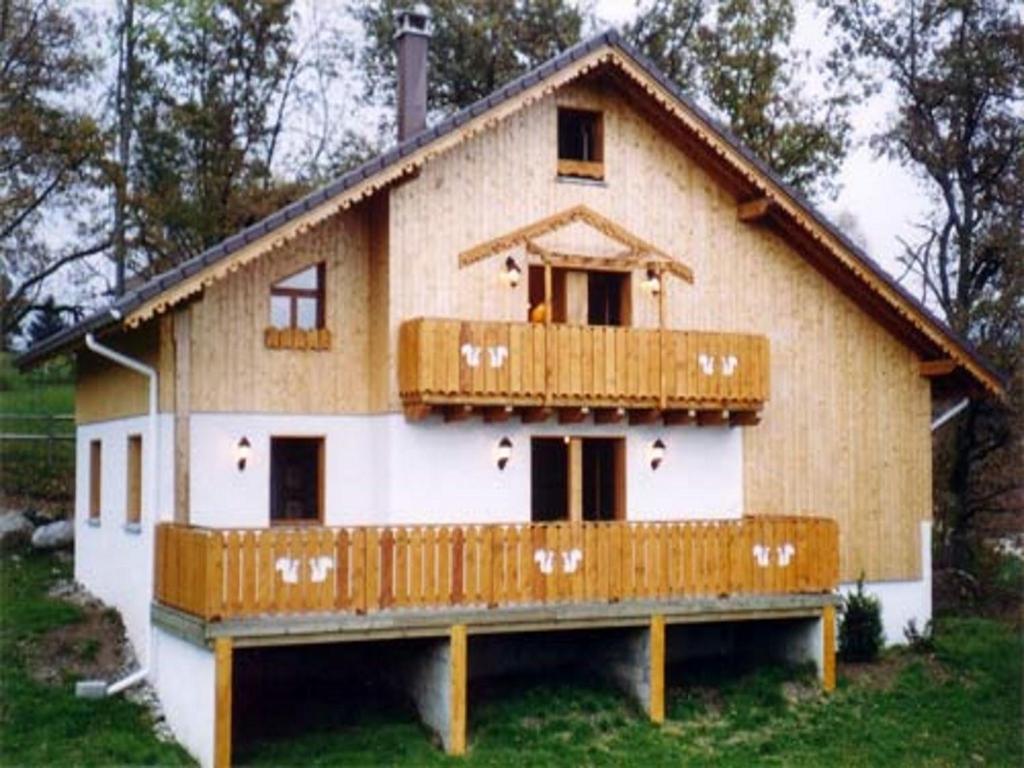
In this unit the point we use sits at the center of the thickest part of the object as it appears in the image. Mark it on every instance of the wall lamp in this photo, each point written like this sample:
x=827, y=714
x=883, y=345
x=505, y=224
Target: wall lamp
x=243, y=451
x=652, y=282
x=512, y=273
x=503, y=452
x=657, y=453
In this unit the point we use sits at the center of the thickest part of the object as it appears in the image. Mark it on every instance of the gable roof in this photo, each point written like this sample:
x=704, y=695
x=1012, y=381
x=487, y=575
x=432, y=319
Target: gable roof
x=189, y=278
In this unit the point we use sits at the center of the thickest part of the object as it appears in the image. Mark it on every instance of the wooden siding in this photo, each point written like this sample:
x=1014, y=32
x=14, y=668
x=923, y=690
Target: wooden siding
x=105, y=390
x=579, y=366
x=232, y=367
x=846, y=431
x=232, y=573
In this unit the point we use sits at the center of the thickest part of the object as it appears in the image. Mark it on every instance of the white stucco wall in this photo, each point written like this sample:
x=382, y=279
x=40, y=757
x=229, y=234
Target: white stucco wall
x=112, y=562
x=183, y=675
x=904, y=600
x=382, y=469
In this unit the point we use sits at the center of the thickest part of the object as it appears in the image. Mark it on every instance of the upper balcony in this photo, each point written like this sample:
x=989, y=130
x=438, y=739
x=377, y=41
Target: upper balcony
x=457, y=366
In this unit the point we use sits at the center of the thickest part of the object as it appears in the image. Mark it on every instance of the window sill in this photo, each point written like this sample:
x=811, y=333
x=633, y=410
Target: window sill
x=94, y=522
x=317, y=339
x=580, y=180
x=581, y=170
x=133, y=528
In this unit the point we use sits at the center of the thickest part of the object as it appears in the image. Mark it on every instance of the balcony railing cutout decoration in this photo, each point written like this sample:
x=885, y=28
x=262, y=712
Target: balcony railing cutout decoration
x=220, y=574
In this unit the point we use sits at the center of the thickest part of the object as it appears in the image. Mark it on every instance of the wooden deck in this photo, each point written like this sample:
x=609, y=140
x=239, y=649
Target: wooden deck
x=454, y=362
x=218, y=574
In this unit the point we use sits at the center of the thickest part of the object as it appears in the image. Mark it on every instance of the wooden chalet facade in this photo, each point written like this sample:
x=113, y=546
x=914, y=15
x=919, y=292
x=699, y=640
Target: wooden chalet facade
x=571, y=358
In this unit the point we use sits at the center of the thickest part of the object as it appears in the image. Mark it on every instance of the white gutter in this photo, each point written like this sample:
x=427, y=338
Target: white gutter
x=950, y=414
x=150, y=477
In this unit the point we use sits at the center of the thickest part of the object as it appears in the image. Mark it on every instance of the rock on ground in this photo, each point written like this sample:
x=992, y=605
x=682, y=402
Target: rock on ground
x=15, y=529
x=54, y=536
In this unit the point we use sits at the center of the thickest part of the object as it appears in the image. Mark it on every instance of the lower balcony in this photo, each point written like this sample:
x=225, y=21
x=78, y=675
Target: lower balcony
x=216, y=575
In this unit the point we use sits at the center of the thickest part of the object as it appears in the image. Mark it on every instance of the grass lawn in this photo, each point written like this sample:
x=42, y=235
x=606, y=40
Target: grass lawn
x=957, y=707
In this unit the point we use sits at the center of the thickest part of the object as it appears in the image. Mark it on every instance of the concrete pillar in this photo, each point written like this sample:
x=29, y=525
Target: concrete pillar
x=634, y=662
x=439, y=677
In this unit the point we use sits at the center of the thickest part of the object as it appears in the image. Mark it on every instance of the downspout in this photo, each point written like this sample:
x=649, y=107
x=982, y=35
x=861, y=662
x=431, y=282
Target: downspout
x=151, y=477
x=950, y=414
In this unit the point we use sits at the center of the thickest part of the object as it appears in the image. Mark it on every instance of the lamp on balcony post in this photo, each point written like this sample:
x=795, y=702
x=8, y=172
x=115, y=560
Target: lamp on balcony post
x=512, y=273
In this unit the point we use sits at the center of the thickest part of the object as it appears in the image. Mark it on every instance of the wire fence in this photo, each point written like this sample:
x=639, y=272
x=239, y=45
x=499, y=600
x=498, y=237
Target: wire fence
x=37, y=455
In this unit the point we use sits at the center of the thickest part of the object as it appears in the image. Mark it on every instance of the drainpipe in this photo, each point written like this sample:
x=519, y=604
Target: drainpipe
x=151, y=476
x=950, y=414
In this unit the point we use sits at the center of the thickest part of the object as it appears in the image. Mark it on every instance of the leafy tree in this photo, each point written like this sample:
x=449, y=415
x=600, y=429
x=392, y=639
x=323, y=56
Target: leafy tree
x=211, y=92
x=737, y=57
x=476, y=46
x=958, y=70
x=50, y=151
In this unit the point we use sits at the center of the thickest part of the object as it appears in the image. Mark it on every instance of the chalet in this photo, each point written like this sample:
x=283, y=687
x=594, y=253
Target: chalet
x=571, y=359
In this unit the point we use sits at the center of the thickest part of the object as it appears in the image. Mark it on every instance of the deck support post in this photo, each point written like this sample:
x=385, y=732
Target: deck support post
x=223, y=663
x=439, y=681
x=828, y=648
x=656, y=657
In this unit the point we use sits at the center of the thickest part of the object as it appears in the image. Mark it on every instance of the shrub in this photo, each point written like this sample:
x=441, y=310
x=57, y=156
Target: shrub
x=860, y=631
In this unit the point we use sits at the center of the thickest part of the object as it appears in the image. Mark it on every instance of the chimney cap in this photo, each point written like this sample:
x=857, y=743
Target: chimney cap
x=413, y=21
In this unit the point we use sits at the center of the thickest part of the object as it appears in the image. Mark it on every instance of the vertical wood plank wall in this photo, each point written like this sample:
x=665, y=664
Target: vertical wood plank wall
x=845, y=432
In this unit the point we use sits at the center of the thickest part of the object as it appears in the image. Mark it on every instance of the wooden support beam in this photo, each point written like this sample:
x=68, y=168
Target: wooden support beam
x=656, y=708
x=417, y=411
x=679, y=418
x=575, y=490
x=828, y=650
x=534, y=415
x=498, y=414
x=644, y=416
x=744, y=419
x=457, y=698
x=609, y=415
x=932, y=368
x=712, y=418
x=223, y=663
x=754, y=211
x=457, y=413
x=572, y=415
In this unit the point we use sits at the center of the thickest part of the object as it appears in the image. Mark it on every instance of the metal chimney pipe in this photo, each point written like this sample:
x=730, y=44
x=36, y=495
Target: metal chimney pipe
x=411, y=41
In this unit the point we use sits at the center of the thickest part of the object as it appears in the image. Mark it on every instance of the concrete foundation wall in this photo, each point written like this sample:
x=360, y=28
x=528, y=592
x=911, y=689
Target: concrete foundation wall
x=183, y=675
x=429, y=685
x=112, y=560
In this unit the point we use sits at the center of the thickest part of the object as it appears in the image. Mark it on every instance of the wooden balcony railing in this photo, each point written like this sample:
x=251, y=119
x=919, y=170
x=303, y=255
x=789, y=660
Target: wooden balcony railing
x=217, y=574
x=453, y=362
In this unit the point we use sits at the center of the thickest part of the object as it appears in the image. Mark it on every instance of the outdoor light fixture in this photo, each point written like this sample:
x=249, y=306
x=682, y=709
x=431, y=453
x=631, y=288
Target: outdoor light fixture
x=504, y=452
x=244, y=451
x=651, y=283
x=657, y=453
x=512, y=273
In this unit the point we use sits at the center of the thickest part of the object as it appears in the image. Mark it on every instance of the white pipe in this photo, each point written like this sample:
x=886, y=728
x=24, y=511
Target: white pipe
x=150, y=476
x=950, y=414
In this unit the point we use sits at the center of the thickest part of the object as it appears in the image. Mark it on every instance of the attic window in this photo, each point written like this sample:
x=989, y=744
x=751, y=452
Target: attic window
x=297, y=311
x=580, y=144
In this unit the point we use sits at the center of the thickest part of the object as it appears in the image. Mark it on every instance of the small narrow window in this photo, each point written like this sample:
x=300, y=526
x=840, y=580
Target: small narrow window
x=580, y=144
x=297, y=301
x=296, y=479
x=133, y=502
x=95, y=476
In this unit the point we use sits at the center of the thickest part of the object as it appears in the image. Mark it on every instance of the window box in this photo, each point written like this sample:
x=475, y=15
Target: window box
x=581, y=169
x=297, y=338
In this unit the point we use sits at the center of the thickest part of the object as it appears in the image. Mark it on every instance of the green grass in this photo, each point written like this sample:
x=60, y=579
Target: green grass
x=45, y=724
x=36, y=469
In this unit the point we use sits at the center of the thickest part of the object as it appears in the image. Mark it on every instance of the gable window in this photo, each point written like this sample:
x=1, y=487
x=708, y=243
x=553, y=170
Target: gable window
x=580, y=144
x=297, y=311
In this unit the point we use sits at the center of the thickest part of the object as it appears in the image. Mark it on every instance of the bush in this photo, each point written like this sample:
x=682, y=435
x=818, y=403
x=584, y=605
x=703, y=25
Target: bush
x=860, y=631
